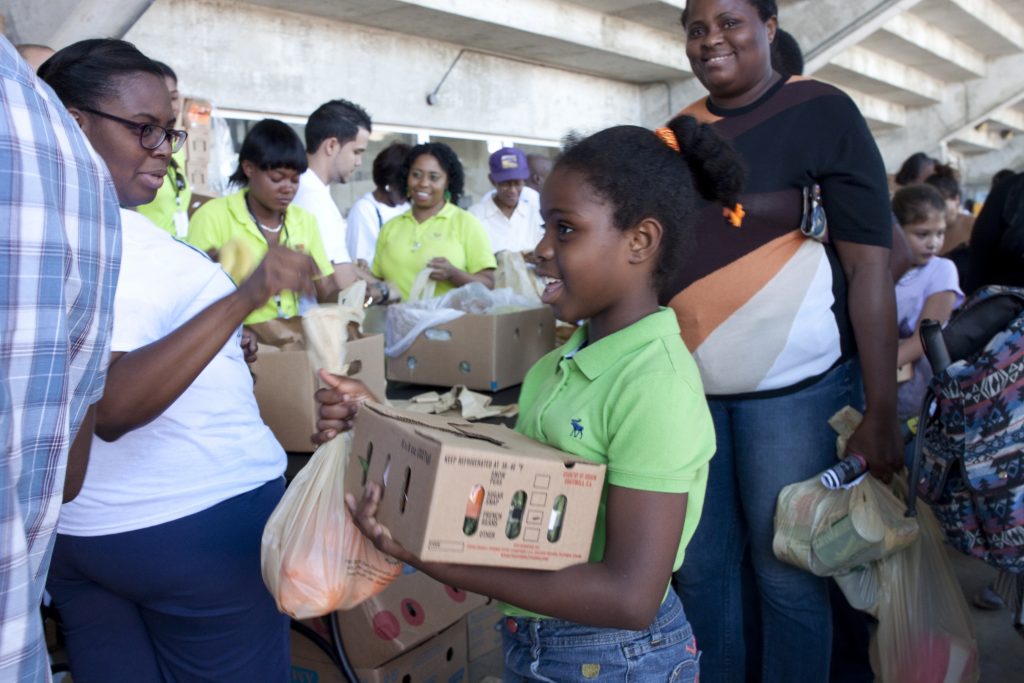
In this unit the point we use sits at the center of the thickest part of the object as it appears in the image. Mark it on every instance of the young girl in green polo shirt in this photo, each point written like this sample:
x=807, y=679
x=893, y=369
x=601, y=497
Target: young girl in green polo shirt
x=623, y=391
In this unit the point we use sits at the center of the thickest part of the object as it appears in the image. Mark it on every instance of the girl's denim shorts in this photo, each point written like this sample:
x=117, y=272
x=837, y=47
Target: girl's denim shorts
x=559, y=651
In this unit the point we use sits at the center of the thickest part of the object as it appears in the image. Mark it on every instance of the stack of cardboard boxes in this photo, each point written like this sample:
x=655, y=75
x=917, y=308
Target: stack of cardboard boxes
x=416, y=630
x=196, y=118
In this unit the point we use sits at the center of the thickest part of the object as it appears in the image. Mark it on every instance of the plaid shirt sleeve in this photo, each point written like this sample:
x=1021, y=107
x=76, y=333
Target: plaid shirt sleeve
x=60, y=246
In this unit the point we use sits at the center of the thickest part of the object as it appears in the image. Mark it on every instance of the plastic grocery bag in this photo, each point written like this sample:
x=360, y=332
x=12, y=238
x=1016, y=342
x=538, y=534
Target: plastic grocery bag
x=422, y=287
x=925, y=633
x=313, y=558
x=407, y=321
x=514, y=274
x=830, y=532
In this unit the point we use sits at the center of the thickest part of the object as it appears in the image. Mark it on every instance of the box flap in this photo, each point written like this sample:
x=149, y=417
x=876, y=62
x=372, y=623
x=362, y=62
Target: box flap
x=491, y=438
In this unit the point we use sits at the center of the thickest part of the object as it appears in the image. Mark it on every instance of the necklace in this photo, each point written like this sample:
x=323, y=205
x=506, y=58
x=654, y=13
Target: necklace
x=255, y=220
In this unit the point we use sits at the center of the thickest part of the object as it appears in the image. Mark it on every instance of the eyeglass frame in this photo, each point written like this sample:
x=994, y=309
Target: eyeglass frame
x=168, y=133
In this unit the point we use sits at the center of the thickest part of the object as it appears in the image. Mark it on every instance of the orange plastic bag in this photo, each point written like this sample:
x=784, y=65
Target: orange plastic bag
x=313, y=558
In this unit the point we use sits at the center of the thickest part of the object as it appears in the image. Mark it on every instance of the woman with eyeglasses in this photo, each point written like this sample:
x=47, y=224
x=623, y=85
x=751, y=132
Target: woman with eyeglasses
x=169, y=209
x=156, y=567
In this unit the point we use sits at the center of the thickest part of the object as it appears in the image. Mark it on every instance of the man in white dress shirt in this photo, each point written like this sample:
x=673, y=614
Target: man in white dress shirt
x=337, y=134
x=511, y=214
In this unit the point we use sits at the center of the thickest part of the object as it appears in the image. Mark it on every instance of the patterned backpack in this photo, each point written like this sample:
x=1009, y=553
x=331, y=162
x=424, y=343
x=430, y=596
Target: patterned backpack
x=969, y=459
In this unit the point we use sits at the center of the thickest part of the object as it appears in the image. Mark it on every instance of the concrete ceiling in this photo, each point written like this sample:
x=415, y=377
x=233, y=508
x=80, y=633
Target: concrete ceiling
x=944, y=76
x=917, y=68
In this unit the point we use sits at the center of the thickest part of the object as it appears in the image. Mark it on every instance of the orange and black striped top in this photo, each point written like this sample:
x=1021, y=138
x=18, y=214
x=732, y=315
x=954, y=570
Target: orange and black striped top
x=761, y=307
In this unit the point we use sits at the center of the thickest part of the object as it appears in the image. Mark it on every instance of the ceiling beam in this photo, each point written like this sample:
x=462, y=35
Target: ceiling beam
x=964, y=106
x=917, y=87
x=878, y=112
x=919, y=35
x=1008, y=118
x=1007, y=32
x=825, y=28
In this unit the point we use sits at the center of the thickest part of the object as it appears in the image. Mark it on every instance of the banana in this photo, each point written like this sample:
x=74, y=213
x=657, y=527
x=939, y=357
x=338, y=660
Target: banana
x=236, y=259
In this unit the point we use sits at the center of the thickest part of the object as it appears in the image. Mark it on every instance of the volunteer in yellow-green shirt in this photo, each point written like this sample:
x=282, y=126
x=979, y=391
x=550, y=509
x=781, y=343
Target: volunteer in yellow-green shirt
x=434, y=233
x=169, y=209
x=238, y=229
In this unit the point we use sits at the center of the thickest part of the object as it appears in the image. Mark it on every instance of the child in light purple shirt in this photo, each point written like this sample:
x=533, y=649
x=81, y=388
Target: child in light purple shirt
x=929, y=290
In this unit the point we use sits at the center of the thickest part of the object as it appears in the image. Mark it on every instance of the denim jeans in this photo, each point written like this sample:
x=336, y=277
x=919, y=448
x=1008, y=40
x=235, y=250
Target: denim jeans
x=558, y=651
x=764, y=444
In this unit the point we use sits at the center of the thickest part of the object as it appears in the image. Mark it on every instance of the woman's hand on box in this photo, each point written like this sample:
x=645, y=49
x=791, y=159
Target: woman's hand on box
x=364, y=515
x=339, y=403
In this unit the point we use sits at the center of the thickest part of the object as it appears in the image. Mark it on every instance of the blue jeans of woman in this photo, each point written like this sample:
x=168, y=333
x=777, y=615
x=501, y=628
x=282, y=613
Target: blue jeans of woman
x=764, y=444
x=557, y=651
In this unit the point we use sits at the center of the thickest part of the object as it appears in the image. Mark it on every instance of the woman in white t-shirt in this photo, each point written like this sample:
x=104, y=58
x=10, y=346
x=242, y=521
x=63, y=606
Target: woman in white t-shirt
x=156, y=568
x=371, y=211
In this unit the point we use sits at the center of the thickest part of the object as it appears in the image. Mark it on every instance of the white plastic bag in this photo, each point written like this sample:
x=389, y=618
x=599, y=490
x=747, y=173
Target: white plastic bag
x=830, y=532
x=925, y=632
x=513, y=273
x=313, y=558
x=407, y=321
x=423, y=286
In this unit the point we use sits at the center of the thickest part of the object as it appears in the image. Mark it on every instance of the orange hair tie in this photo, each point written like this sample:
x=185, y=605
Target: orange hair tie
x=734, y=215
x=668, y=137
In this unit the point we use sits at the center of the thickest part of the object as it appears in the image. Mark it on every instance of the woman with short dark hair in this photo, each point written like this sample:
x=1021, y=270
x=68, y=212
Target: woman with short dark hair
x=261, y=215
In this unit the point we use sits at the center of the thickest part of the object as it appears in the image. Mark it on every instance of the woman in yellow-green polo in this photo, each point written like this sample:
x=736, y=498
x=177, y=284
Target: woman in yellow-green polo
x=239, y=229
x=435, y=233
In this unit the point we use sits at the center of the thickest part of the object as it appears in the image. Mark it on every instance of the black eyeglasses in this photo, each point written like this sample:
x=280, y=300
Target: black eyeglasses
x=151, y=135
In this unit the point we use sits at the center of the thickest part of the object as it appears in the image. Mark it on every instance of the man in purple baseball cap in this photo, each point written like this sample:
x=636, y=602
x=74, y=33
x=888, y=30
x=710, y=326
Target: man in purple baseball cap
x=510, y=215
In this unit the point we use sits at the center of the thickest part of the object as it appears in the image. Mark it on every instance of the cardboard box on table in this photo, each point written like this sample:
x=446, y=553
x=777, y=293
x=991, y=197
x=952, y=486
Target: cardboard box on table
x=482, y=352
x=413, y=609
x=530, y=505
x=439, y=660
x=285, y=383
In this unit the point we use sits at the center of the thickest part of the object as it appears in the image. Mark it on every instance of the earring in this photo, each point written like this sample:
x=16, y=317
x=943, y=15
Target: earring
x=447, y=196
